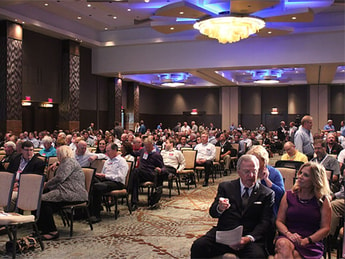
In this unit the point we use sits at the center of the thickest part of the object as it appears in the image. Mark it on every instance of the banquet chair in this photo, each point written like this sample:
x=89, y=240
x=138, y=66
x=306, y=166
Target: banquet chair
x=289, y=164
x=189, y=169
x=217, y=165
x=289, y=176
x=28, y=200
x=6, y=186
x=116, y=194
x=233, y=159
x=67, y=212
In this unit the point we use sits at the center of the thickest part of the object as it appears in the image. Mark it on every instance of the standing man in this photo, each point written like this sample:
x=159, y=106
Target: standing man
x=150, y=161
x=329, y=127
x=304, y=138
x=112, y=177
x=240, y=202
x=205, y=156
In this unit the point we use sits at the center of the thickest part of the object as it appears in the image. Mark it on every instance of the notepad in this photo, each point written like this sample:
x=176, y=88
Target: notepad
x=230, y=237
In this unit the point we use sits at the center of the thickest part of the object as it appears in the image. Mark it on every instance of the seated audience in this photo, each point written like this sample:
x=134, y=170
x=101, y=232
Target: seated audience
x=112, y=177
x=205, y=156
x=48, y=149
x=329, y=163
x=329, y=127
x=226, y=152
x=245, y=144
x=10, y=153
x=84, y=156
x=183, y=143
x=149, y=161
x=66, y=187
x=127, y=152
x=332, y=146
x=101, y=147
x=293, y=154
x=173, y=160
x=268, y=175
x=304, y=215
x=243, y=202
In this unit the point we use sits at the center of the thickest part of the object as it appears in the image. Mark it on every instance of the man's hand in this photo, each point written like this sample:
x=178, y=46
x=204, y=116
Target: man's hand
x=158, y=170
x=92, y=158
x=200, y=161
x=244, y=241
x=100, y=175
x=223, y=204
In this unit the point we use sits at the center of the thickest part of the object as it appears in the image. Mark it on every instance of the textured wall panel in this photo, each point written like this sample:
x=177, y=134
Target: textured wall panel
x=3, y=81
x=136, y=103
x=74, y=80
x=14, y=79
x=118, y=99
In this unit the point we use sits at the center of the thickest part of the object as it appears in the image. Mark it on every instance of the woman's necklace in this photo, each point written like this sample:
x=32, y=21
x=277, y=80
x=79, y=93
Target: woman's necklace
x=303, y=201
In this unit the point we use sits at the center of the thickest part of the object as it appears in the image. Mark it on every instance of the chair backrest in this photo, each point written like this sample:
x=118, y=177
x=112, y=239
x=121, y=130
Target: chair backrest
x=6, y=186
x=186, y=148
x=89, y=175
x=189, y=156
x=289, y=175
x=217, y=158
x=52, y=160
x=289, y=164
x=98, y=165
x=30, y=192
x=235, y=146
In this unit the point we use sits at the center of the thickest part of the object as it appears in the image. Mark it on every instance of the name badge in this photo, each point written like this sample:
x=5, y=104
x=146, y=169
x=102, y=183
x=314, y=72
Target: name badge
x=145, y=156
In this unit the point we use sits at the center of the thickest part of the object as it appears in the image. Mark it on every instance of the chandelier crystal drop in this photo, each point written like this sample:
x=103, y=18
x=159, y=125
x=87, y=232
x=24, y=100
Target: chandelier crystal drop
x=229, y=29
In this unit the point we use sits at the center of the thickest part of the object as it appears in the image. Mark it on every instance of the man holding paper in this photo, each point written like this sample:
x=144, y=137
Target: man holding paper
x=244, y=209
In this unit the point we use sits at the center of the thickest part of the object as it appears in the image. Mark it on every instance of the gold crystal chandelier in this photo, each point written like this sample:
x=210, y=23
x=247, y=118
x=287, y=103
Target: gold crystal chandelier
x=229, y=29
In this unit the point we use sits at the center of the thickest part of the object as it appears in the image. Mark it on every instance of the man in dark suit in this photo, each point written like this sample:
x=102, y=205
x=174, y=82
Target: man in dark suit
x=240, y=202
x=26, y=162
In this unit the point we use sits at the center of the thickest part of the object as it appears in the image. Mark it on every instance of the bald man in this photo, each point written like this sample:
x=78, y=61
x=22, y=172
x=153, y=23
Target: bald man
x=293, y=154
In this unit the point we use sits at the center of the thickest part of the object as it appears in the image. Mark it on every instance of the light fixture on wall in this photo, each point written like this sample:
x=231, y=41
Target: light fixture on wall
x=26, y=101
x=229, y=29
x=274, y=110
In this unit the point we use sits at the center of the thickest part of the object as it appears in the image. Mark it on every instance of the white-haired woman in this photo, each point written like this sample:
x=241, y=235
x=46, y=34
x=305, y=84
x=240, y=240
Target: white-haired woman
x=66, y=187
x=304, y=215
x=48, y=149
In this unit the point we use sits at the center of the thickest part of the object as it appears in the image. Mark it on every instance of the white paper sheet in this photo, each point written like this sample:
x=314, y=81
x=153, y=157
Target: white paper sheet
x=229, y=237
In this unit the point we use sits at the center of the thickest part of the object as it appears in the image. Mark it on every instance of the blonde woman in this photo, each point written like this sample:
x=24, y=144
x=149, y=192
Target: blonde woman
x=66, y=187
x=304, y=215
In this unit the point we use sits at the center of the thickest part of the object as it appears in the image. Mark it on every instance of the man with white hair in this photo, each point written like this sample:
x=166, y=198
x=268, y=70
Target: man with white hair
x=329, y=127
x=48, y=149
x=84, y=156
x=10, y=150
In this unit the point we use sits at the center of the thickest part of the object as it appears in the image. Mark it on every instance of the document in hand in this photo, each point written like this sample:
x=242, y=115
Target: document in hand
x=229, y=237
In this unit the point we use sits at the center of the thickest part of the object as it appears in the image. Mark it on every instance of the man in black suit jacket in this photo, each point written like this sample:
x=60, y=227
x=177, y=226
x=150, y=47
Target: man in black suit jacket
x=26, y=163
x=256, y=217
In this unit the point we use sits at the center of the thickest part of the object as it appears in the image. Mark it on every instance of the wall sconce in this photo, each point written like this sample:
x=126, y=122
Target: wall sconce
x=274, y=110
x=26, y=103
x=46, y=105
x=194, y=112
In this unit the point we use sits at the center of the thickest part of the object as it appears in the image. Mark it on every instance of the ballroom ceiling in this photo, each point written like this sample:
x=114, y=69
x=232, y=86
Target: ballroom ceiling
x=133, y=22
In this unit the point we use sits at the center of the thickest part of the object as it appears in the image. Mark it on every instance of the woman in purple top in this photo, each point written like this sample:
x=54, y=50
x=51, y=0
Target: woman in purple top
x=304, y=215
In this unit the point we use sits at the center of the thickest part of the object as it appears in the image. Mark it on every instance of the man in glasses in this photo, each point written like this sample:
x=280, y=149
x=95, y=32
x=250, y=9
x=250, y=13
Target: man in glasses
x=25, y=163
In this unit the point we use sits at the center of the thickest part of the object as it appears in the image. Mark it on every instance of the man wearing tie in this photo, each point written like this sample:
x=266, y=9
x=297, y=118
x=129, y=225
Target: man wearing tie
x=240, y=202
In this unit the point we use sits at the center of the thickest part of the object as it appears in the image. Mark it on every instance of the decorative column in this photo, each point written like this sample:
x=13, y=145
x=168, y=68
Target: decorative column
x=11, y=71
x=118, y=99
x=318, y=105
x=229, y=106
x=69, y=108
x=136, y=104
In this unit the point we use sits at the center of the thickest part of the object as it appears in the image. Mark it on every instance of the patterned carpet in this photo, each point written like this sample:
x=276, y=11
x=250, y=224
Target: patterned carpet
x=167, y=232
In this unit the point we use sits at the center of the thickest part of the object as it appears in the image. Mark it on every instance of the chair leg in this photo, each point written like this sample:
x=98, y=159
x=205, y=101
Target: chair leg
x=14, y=241
x=116, y=211
x=71, y=222
x=178, y=188
x=39, y=238
x=129, y=207
x=88, y=217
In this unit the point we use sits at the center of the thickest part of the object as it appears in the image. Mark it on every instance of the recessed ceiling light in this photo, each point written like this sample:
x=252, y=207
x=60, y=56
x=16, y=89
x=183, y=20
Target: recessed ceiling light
x=181, y=12
x=172, y=28
x=146, y=1
x=293, y=17
x=105, y=28
x=129, y=9
x=23, y=22
x=16, y=20
x=79, y=17
x=114, y=17
x=89, y=5
x=269, y=32
x=46, y=4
